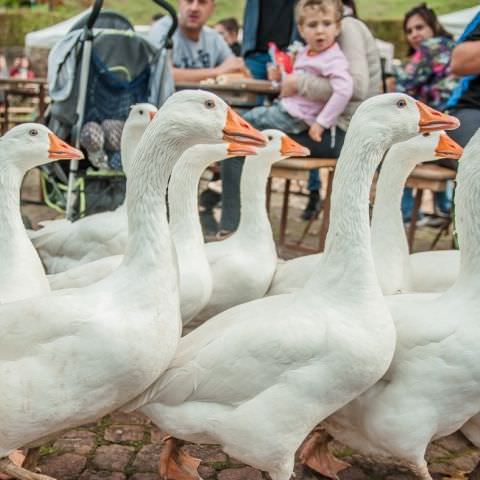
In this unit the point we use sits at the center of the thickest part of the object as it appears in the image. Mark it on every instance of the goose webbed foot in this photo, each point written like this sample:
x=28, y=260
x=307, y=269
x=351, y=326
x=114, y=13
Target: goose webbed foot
x=315, y=454
x=11, y=470
x=175, y=463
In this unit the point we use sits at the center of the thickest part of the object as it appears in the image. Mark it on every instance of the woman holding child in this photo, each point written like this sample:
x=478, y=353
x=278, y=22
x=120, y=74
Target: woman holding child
x=329, y=81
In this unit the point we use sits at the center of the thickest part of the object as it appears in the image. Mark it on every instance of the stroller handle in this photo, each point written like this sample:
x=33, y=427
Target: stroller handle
x=97, y=6
x=173, y=14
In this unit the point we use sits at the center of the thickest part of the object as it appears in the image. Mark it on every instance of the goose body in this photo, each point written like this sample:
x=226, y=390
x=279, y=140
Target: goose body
x=432, y=387
x=243, y=264
x=195, y=280
x=397, y=270
x=22, y=148
x=258, y=377
x=63, y=245
x=65, y=351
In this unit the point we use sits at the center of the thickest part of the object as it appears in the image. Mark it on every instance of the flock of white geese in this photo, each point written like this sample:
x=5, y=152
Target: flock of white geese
x=377, y=347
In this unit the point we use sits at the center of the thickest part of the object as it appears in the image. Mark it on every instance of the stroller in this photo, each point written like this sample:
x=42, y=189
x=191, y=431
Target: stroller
x=95, y=74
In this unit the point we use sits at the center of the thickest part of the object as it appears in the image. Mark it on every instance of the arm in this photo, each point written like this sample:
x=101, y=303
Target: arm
x=342, y=86
x=466, y=58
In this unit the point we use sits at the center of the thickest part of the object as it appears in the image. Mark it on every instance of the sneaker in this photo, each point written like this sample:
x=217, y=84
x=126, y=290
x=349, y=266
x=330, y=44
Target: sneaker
x=313, y=206
x=421, y=222
x=437, y=221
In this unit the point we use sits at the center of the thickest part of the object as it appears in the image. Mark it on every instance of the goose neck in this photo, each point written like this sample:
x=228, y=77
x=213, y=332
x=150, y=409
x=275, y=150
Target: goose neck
x=149, y=244
x=254, y=219
x=183, y=202
x=347, y=258
x=467, y=221
x=389, y=243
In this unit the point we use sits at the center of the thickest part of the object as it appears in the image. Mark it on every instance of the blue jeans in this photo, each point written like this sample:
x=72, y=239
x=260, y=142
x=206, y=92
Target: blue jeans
x=443, y=202
x=273, y=116
x=257, y=64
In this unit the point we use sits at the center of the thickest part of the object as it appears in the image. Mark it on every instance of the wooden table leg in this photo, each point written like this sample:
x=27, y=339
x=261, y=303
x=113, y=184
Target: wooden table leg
x=413, y=220
x=326, y=212
x=284, y=216
x=269, y=193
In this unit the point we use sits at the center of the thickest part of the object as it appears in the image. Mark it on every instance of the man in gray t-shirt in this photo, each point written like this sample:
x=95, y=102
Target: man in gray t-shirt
x=199, y=52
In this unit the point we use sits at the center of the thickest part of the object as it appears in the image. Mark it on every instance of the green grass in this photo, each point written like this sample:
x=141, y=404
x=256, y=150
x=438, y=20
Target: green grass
x=141, y=11
x=392, y=9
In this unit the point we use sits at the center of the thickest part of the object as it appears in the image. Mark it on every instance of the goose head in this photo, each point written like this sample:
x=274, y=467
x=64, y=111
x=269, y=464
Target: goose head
x=280, y=146
x=30, y=144
x=137, y=122
x=196, y=116
x=426, y=147
x=396, y=117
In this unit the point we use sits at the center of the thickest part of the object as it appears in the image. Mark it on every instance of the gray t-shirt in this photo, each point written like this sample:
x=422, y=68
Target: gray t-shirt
x=210, y=51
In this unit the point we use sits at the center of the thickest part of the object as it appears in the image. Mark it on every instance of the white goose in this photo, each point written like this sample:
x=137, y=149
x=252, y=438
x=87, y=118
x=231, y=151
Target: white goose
x=249, y=271
x=244, y=263
x=65, y=352
x=398, y=272
x=63, y=245
x=195, y=279
x=433, y=385
x=258, y=377
x=23, y=147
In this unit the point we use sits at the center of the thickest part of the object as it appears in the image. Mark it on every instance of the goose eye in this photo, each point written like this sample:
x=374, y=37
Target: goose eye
x=402, y=103
x=141, y=112
x=33, y=132
x=270, y=138
x=426, y=134
x=209, y=104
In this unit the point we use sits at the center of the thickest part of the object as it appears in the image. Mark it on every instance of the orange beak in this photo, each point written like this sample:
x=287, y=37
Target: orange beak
x=60, y=150
x=240, y=150
x=151, y=115
x=432, y=120
x=290, y=148
x=448, y=148
x=237, y=130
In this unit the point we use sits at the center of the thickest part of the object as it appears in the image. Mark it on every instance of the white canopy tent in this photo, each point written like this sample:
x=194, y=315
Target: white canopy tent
x=48, y=37
x=456, y=22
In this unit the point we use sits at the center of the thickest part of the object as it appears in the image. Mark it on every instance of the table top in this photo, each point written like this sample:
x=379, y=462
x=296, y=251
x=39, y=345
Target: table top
x=247, y=85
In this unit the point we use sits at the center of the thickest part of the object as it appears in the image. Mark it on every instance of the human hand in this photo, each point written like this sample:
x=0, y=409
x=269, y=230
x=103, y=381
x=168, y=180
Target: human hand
x=315, y=132
x=274, y=74
x=289, y=86
x=231, y=65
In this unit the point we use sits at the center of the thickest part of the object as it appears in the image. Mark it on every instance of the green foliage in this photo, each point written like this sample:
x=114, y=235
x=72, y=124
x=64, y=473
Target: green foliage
x=383, y=16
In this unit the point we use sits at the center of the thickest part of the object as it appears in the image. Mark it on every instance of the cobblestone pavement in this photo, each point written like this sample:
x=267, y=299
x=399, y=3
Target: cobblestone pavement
x=122, y=447
x=126, y=447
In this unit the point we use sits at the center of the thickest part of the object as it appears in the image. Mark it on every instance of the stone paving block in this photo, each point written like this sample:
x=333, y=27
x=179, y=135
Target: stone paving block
x=145, y=476
x=454, y=443
x=243, y=473
x=147, y=459
x=65, y=467
x=102, y=475
x=113, y=457
x=206, y=453
x=207, y=472
x=135, y=418
x=353, y=473
x=124, y=433
x=76, y=441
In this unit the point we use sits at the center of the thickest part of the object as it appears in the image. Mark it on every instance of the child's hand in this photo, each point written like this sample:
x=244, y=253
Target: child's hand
x=274, y=74
x=316, y=132
x=289, y=86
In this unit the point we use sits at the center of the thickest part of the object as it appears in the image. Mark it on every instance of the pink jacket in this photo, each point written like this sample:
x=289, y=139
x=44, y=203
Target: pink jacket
x=333, y=65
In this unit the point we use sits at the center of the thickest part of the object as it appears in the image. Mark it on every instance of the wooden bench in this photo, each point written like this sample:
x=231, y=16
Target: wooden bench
x=298, y=168
x=426, y=177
